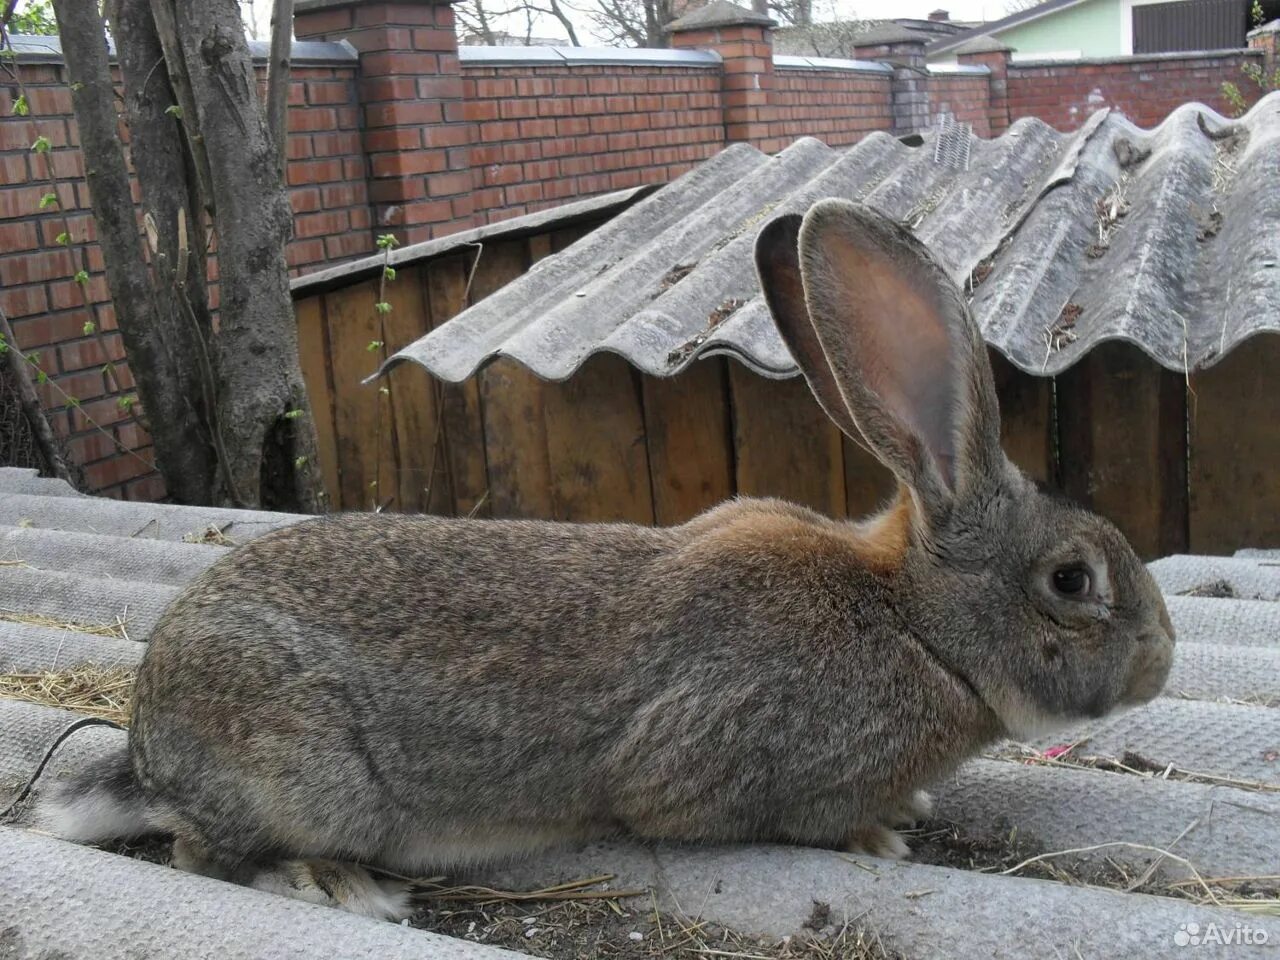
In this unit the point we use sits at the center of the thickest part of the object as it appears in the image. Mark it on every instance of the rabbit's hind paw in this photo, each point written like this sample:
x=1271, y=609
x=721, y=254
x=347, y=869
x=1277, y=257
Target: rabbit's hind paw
x=345, y=886
x=877, y=840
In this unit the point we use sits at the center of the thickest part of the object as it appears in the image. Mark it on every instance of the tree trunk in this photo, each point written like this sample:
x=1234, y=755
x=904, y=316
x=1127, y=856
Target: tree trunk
x=170, y=398
x=270, y=458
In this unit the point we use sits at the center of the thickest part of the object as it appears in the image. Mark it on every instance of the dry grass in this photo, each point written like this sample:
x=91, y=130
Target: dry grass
x=1130, y=763
x=92, y=691
x=603, y=925
x=212, y=534
x=1096, y=865
x=116, y=628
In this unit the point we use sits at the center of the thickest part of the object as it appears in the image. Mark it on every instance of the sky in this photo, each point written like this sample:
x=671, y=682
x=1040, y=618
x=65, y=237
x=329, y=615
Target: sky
x=824, y=10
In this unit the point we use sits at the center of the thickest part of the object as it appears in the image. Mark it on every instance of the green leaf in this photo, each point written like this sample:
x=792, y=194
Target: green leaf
x=90, y=328
x=82, y=276
x=20, y=106
x=300, y=463
x=174, y=111
x=41, y=377
x=77, y=87
x=383, y=308
x=292, y=414
x=48, y=200
x=41, y=144
x=373, y=345
x=33, y=358
x=387, y=241
x=73, y=402
x=126, y=403
x=63, y=239
x=4, y=345
x=389, y=273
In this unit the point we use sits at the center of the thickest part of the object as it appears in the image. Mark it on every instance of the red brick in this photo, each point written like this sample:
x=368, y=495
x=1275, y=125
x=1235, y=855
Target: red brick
x=322, y=23
x=446, y=184
x=148, y=489
x=399, y=63
x=408, y=163
x=320, y=224
x=403, y=114
x=18, y=236
x=435, y=40
x=374, y=89
x=396, y=138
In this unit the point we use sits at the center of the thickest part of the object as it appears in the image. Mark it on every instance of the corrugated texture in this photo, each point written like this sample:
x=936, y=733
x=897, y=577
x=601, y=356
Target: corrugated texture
x=1165, y=238
x=90, y=561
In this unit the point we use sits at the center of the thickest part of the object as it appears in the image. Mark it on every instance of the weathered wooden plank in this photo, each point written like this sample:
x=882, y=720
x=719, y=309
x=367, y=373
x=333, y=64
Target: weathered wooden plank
x=352, y=325
x=868, y=483
x=462, y=451
x=420, y=482
x=1026, y=418
x=785, y=446
x=1122, y=434
x=690, y=439
x=1235, y=456
x=511, y=401
x=313, y=354
x=596, y=444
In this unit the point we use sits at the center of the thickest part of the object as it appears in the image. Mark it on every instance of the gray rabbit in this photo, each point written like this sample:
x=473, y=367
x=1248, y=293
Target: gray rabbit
x=418, y=693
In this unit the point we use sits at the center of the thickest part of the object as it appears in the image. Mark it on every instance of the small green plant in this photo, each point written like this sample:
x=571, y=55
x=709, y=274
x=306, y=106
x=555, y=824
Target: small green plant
x=292, y=414
x=41, y=144
x=20, y=106
x=1231, y=92
x=174, y=111
x=48, y=200
x=89, y=328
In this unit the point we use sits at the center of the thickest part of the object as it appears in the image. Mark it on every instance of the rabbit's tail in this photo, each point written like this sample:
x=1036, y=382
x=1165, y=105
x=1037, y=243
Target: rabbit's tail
x=104, y=801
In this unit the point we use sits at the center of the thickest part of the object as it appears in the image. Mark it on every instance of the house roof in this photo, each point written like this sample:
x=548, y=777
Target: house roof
x=82, y=561
x=948, y=44
x=1164, y=238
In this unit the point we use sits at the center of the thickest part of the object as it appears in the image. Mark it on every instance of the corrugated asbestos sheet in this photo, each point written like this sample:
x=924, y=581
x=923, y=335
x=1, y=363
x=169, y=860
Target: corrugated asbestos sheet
x=1166, y=238
x=82, y=561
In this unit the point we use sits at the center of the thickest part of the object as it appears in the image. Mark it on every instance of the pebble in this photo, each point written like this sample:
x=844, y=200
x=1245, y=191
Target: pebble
x=636, y=935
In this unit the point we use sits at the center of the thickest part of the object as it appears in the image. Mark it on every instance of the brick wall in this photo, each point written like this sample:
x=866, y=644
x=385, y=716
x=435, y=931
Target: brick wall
x=839, y=107
x=548, y=133
x=399, y=131
x=1145, y=89
x=965, y=96
x=49, y=310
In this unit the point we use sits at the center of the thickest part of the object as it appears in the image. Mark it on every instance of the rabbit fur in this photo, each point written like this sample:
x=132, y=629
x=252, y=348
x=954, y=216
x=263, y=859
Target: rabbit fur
x=419, y=693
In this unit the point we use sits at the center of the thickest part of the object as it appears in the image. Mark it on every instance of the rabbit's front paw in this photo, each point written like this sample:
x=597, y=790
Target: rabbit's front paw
x=917, y=806
x=346, y=886
x=877, y=840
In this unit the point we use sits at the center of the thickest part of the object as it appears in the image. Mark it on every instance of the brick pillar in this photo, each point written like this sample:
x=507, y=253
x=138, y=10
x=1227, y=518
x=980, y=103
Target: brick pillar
x=909, y=91
x=745, y=43
x=416, y=139
x=1267, y=39
x=987, y=51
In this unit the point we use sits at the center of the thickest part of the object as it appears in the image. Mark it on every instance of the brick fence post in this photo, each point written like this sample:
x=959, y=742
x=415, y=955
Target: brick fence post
x=1267, y=39
x=987, y=51
x=416, y=138
x=903, y=50
x=744, y=41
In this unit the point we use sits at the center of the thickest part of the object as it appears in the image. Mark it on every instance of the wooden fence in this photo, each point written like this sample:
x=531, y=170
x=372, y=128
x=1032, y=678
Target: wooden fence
x=1179, y=463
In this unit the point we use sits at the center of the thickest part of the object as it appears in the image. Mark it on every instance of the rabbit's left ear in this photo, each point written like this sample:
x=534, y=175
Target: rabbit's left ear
x=892, y=342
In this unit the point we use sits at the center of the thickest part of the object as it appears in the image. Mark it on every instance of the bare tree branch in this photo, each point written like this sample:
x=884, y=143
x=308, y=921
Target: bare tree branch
x=278, y=76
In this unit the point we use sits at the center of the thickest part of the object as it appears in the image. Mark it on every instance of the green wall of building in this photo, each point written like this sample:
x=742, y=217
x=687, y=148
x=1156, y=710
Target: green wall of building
x=1093, y=28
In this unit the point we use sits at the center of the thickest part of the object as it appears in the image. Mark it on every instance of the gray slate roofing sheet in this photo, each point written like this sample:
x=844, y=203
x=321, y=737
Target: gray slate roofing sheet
x=1165, y=238
x=84, y=561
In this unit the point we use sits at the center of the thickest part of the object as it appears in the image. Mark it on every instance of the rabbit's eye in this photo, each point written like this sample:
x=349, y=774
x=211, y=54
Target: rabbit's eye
x=1073, y=581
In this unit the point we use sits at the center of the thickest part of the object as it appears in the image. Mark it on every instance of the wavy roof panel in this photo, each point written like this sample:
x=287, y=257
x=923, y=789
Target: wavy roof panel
x=1166, y=238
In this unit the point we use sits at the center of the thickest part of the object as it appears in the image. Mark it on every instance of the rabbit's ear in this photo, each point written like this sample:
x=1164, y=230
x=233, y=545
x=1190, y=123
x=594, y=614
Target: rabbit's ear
x=778, y=264
x=907, y=357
